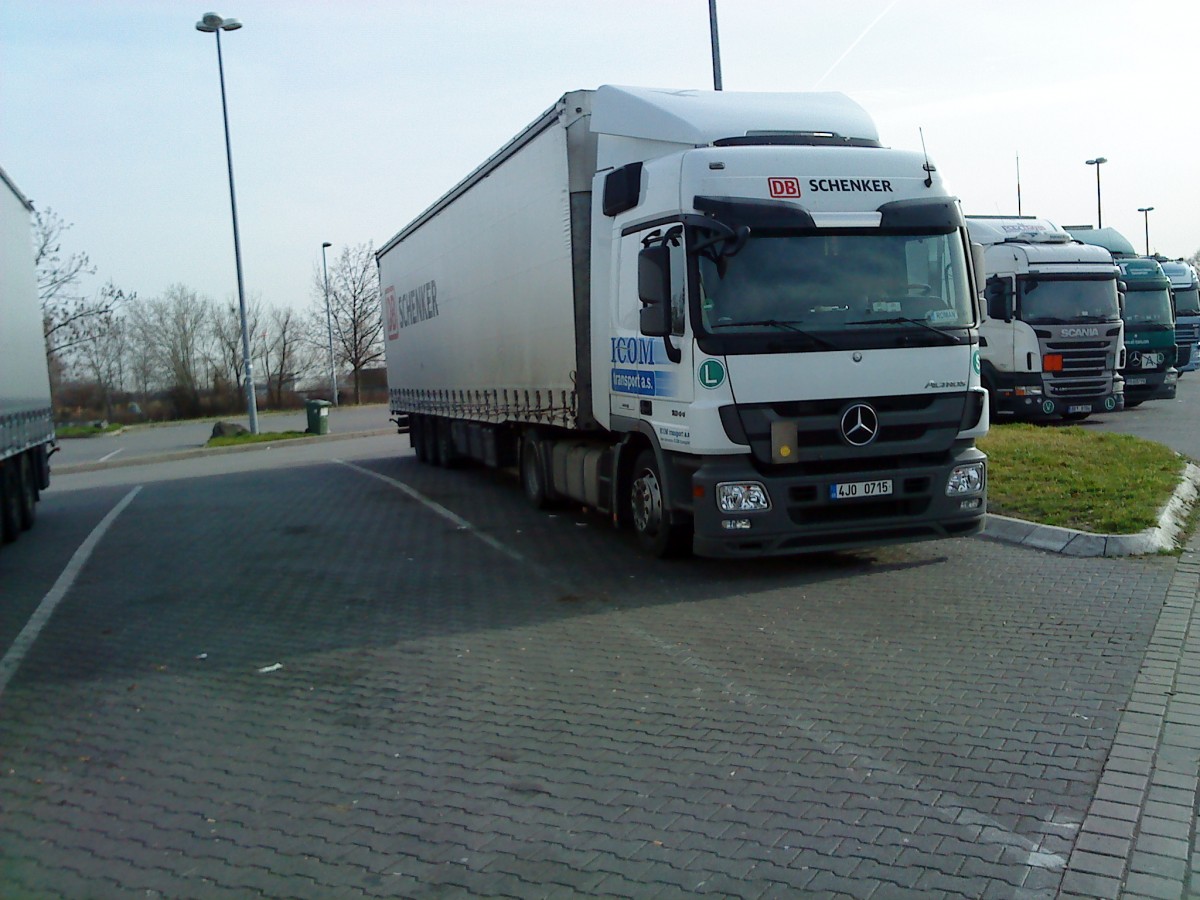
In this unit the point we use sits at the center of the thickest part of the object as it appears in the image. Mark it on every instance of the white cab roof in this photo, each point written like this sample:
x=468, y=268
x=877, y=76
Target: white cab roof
x=700, y=117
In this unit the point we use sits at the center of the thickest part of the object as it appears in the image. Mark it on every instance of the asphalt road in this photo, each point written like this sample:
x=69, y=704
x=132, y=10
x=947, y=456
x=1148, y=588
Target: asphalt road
x=327, y=671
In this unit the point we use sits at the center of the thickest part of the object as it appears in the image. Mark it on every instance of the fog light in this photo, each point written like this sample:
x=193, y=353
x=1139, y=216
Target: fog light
x=966, y=479
x=735, y=524
x=742, y=496
x=972, y=503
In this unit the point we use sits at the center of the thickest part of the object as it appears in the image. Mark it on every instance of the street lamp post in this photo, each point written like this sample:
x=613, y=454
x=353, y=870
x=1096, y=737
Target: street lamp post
x=1097, y=162
x=716, y=44
x=211, y=22
x=1145, y=211
x=329, y=325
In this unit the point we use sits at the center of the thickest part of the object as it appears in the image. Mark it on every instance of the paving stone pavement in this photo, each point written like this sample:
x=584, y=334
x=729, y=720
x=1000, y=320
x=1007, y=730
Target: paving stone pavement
x=515, y=704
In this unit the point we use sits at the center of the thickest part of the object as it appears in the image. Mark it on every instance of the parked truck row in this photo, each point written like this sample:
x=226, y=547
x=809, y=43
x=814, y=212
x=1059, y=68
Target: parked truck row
x=26, y=416
x=735, y=323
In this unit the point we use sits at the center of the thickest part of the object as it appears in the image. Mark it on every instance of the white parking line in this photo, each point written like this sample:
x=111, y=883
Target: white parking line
x=20, y=647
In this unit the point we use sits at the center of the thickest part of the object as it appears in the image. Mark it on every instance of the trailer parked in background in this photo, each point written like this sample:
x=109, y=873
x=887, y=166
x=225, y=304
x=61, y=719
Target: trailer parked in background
x=26, y=416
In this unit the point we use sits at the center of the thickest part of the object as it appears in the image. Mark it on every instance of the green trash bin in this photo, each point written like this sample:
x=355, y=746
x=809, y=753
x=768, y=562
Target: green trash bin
x=318, y=416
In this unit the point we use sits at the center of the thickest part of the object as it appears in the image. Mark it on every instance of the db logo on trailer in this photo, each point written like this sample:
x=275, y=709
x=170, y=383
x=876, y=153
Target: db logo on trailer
x=784, y=187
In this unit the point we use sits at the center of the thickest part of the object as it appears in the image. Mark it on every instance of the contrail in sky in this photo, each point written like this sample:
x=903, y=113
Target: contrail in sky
x=855, y=42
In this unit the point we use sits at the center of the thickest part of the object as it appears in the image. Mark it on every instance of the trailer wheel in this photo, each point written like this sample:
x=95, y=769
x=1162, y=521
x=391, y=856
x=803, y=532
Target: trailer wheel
x=656, y=535
x=533, y=473
x=28, y=491
x=10, y=501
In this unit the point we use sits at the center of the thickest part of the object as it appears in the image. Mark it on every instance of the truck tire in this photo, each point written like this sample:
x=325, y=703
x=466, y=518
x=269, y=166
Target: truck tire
x=10, y=501
x=28, y=491
x=533, y=472
x=655, y=533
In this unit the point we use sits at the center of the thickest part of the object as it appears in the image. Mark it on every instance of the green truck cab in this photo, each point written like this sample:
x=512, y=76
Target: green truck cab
x=1149, y=316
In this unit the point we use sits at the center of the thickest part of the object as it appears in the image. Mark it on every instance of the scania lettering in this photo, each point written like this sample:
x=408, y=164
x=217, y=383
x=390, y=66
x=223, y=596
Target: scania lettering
x=26, y=415
x=732, y=323
x=1051, y=342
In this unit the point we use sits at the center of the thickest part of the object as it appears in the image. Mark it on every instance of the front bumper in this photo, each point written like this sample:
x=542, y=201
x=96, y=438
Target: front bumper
x=804, y=519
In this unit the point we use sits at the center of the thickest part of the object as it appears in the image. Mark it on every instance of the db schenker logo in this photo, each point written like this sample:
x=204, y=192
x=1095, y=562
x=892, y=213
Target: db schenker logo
x=784, y=187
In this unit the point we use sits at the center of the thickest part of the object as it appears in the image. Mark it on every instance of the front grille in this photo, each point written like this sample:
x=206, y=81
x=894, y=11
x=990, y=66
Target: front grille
x=913, y=430
x=1085, y=369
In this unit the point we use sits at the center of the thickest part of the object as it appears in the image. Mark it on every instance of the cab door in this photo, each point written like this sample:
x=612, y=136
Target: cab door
x=650, y=374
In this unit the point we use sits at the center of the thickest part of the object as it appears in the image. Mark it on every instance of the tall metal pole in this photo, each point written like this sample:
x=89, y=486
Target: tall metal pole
x=1145, y=211
x=251, y=400
x=1018, y=184
x=716, y=44
x=1097, y=162
x=329, y=326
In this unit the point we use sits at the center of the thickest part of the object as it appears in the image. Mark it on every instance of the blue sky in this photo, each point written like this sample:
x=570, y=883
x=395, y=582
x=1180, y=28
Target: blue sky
x=348, y=118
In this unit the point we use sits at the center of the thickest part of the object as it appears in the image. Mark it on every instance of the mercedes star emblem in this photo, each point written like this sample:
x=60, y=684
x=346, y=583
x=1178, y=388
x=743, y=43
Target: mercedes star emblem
x=860, y=425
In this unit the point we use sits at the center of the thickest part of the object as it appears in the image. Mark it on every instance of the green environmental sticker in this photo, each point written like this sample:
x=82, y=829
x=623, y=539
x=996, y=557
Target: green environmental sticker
x=975, y=361
x=711, y=374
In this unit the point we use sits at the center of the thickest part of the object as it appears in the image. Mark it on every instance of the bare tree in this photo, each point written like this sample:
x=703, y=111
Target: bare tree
x=284, y=356
x=225, y=357
x=355, y=311
x=177, y=330
x=68, y=317
x=102, y=359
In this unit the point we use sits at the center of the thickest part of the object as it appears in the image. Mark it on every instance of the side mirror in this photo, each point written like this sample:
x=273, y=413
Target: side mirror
x=654, y=290
x=978, y=264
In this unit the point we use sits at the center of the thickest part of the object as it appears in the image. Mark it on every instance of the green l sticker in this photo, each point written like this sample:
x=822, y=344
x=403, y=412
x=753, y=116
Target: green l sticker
x=711, y=374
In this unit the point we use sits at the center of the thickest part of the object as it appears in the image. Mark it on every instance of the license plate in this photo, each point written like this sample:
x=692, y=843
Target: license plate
x=1135, y=380
x=856, y=490
x=1082, y=408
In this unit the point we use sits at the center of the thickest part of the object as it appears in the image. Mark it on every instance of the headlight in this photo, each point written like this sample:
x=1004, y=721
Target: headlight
x=966, y=479
x=742, y=496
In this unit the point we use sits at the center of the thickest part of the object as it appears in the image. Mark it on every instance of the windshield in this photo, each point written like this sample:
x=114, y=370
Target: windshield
x=835, y=282
x=1148, y=307
x=1056, y=300
x=1187, y=302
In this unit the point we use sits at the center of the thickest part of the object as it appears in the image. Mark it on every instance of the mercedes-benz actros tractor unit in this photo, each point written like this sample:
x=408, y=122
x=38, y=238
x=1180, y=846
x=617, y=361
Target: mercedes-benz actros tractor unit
x=732, y=322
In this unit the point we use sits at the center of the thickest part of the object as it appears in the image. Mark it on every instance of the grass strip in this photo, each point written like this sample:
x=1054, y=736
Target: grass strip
x=235, y=440
x=1075, y=478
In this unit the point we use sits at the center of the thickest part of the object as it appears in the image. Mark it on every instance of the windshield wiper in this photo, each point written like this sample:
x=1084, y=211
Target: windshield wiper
x=781, y=323
x=897, y=320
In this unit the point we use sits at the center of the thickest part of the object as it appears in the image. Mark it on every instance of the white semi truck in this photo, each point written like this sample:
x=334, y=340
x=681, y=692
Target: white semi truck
x=1052, y=343
x=26, y=416
x=732, y=322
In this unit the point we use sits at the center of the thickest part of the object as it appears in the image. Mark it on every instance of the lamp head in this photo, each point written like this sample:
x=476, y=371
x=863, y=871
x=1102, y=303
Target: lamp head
x=326, y=244
x=1097, y=161
x=1145, y=209
x=210, y=22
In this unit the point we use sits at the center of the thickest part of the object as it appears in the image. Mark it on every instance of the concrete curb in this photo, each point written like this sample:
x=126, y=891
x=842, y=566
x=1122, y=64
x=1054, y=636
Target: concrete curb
x=71, y=468
x=1171, y=521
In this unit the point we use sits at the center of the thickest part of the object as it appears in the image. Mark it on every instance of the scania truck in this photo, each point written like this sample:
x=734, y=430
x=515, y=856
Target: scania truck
x=1051, y=342
x=732, y=322
x=26, y=417
x=1185, y=295
x=1150, y=372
